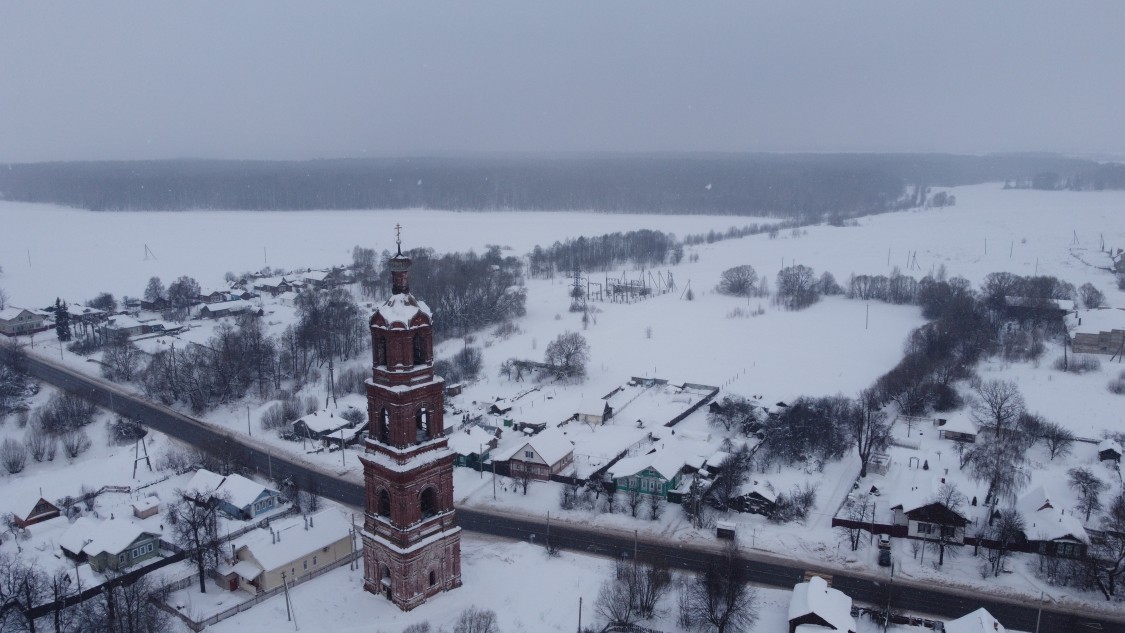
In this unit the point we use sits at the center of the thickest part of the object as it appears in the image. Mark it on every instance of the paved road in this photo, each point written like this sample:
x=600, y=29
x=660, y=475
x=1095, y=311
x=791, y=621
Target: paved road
x=764, y=568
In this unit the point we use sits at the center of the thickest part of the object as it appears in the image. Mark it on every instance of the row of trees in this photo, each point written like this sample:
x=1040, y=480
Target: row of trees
x=639, y=248
x=719, y=599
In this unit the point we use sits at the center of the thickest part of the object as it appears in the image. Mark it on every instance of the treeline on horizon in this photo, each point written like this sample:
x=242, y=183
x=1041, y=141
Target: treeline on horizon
x=803, y=186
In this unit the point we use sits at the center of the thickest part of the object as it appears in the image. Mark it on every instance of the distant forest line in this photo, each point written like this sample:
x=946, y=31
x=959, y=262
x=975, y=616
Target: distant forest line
x=805, y=186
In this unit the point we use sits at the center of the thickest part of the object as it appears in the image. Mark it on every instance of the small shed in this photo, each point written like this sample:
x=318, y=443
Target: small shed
x=1109, y=451
x=725, y=530
x=149, y=506
x=815, y=604
x=595, y=411
x=959, y=428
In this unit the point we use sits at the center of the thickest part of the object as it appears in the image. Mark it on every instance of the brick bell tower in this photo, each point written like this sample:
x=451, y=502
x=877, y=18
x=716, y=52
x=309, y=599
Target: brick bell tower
x=411, y=542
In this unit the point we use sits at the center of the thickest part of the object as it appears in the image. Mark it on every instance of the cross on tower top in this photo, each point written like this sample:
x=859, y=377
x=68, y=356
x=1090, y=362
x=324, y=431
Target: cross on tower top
x=398, y=237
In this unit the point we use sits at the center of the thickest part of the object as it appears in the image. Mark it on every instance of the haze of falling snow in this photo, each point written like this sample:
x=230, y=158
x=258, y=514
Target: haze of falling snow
x=262, y=79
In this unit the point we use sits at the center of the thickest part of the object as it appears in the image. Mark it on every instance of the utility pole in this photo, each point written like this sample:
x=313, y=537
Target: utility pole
x=248, y=421
x=580, y=615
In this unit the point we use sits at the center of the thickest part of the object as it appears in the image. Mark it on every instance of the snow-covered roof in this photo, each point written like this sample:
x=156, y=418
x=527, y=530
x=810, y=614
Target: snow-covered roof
x=233, y=305
x=960, y=422
x=315, y=275
x=11, y=312
x=593, y=406
x=203, y=483
x=831, y=605
x=470, y=441
x=77, y=309
x=124, y=322
x=241, y=491
x=401, y=308
x=914, y=491
x=322, y=421
x=236, y=489
x=147, y=503
x=763, y=488
x=551, y=445
x=1047, y=520
x=294, y=540
x=1035, y=302
x=1109, y=444
x=248, y=570
x=94, y=537
x=979, y=621
x=667, y=462
x=1096, y=320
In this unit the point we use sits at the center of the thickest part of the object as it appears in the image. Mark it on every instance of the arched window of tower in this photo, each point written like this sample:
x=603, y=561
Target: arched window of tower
x=385, y=427
x=384, y=504
x=428, y=503
x=420, y=349
x=422, y=418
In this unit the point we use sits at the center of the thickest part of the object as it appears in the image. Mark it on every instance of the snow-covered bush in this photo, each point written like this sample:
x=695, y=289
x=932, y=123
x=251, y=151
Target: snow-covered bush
x=13, y=455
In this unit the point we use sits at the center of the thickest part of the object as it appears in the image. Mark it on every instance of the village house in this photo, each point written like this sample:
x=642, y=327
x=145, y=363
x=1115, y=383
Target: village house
x=1109, y=451
x=115, y=544
x=1048, y=528
x=159, y=304
x=472, y=446
x=273, y=285
x=328, y=427
x=979, y=621
x=28, y=509
x=755, y=497
x=594, y=411
x=125, y=325
x=235, y=495
x=817, y=608
x=654, y=473
x=1098, y=331
x=213, y=296
x=539, y=457
x=916, y=509
x=85, y=315
x=228, y=308
x=146, y=507
x=960, y=427
x=20, y=321
x=291, y=548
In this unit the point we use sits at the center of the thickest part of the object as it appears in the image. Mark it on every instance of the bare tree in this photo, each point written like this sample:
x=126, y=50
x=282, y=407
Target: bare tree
x=998, y=407
x=720, y=600
x=1006, y=531
x=121, y=358
x=1057, y=438
x=1089, y=488
x=155, y=291
x=858, y=512
x=40, y=446
x=567, y=356
x=13, y=455
x=869, y=426
x=740, y=281
x=947, y=539
x=195, y=526
x=732, y=412
x=1108, y=553
x=1091, y=296
x=75, y=443
x=796, y=287
x=476, y=620
x=617, y=602
x=22, y=587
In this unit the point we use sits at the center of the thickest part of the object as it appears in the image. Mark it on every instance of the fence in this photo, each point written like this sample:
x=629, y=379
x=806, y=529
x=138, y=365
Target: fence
x=249, y=604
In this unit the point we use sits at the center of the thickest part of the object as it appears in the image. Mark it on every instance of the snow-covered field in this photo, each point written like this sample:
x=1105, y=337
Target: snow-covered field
x=837, y=346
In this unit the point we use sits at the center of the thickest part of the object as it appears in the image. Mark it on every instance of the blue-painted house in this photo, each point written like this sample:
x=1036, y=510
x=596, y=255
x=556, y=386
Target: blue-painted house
x=235, y=495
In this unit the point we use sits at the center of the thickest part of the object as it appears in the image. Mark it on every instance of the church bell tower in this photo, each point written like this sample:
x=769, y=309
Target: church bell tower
x=411, y=542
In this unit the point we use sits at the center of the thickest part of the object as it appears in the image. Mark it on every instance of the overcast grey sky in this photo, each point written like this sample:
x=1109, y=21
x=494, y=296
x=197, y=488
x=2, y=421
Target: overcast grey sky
x=284, y=80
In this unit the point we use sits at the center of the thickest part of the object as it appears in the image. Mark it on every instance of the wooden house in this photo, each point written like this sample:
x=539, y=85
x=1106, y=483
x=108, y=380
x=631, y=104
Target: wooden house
x=1048, y=528
x=594, y=411
x=815, y=607
x=960, y=428
x=473, y=446
x=1098, y=331
x=109, y=545
x=539, y=457
x=1109, y=451
x=654, y=473
x=235, y=495
x=19, y=321
x=288, y=550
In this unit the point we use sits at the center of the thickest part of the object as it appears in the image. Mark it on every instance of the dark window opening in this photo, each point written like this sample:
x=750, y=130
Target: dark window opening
x=384, y=504
x=380, y=350
x=419, y=349
x=428, y=503
x=433, y=579
x=422, y=420
x=385, y=427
